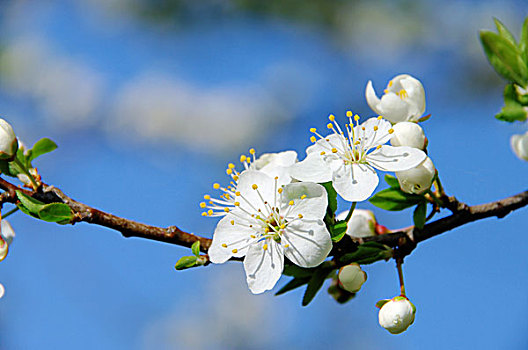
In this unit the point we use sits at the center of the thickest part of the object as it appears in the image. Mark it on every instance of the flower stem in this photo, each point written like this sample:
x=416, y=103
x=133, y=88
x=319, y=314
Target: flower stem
x=399, y=263
x=349, y=215
x=12, y=211
x=27, y=173
x=439, y=189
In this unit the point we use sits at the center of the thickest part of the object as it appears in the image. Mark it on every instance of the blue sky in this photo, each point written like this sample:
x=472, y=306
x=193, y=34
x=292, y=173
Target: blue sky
x=146, y=119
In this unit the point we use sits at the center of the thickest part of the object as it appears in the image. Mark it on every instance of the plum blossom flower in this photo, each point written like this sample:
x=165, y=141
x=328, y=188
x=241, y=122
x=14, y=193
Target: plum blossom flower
x=8, y=141
x=519, y=145
x=397, y=314
x=403, y=99
x=362, y=223
x=6, y=237
x=349, y=161
x=270, y=221
x=272, y=164
x=351, y=277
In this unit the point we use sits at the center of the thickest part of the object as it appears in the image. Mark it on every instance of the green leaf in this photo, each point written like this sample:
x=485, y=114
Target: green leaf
x=420, y=212
x=523, y=41
x=505, y=57
x=367, y=253
x=31, y=204
x=332, y=196
x=315, y=283
x=338, y=230
x=41, y=147
x=186, y=262
x=382, y=302
x=504, y=32
x=392, y=181
x=394, y=199
x=293, y=284
x=297, y=271
x=56, y=212
x=513, y=110
x=195, y=248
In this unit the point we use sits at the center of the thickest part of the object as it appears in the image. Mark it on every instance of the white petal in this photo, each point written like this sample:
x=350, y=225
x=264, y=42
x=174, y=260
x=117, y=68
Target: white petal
x=355, y=182
x=393, y=108
x=415, y=96
x=312, y=168
x=265, y=187
x=263, y=267
x=408, y=134
x=371, y=138
x=389, y=158
x=326, y=144
x=372, y=99
x=309, y=242
x=7, y=231
x=311, y=207
x=275, y=164
x=395, y=85
x=4, y=249
x=519, y=145
x=234, y=236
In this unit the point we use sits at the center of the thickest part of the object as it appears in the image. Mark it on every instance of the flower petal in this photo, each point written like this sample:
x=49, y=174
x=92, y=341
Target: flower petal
x=263, y=266
x=7, y=232
x=355, y=182
x=313, y=168
x=393, y=108
x=275, y=164
x=326, y=144
x=416, y=97
x=307, y=242
x=233, y=236
x=4, y=249
x=373, y=132
x=389, y=158
x=313, y=206
x=250, y=199
x=372, y=99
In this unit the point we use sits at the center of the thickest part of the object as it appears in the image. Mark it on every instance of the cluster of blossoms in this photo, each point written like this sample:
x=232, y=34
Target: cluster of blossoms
x=275, y=207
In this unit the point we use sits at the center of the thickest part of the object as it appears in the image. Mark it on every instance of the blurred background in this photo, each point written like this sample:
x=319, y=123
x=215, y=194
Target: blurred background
x=149, y=100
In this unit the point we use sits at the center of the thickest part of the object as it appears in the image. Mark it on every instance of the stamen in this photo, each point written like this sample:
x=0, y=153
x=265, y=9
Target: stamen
x=224, y=245
x=331, y=117
x=300, y=216
x=329, y=126
x=303, y=196
x=235, y=251
x=203, y=205
x=265, y=247
x=313, y=139
x=254, y=186
x=349, y=114
x=216, y=186
x=207, y=197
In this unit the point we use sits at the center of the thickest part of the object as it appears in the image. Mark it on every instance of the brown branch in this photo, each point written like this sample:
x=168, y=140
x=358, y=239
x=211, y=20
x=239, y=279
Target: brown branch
x=404, y=240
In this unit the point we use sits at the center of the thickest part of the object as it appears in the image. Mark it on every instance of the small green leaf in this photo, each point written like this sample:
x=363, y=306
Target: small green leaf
x=382, y=302
x=195, y=248
x=394, y=199
x=338, y=230
x=523, y=41
x=297, y=271
x=332, y=196
x=31, y=204
x=293, y=284
x=513, y=110
x=41, y=147
x=367, y=253
x=504, y=32
x=419, y=215
x=186, y=262
x=315, y=283
x=392, y=181
x=56, y=212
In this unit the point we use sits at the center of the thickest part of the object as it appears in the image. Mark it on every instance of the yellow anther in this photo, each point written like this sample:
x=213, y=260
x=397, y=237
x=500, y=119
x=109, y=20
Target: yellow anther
x=375, y=128
x=235, y=177
x=380, y=117
x=231, y=166
x=265, y=247
x=210, y=212
x=226, y=210
x=266, y=230
x=323, y=153
x=283, y=226
x=216, y=186
x=253, y=236
x=291, y=202
x=204, y=214
x=300, y=216
x=390, y=83
x=303, y=196
x=331, y=117
x=235, y=251
x=349, y=114
x=276, y=177
x=313, y=139
x=254, y=186
x=386, y=91
x=334, y=150
x=224, y=245
x=279, y=190
x=330, y=126
x=207, y=197
x=242, y=158
x=391, y=130
x=227, y=196
x=252, y=150
x=356, y=117
x=237, y=204
x=232, y=222
x=363, y=128
x=313, y=129
x=203, y=205
x=357, y=143
x=237, y=193
x=378, y=146
x=286, y=246
x=229, y=171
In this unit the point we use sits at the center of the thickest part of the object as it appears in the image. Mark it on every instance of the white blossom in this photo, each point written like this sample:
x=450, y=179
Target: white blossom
x=397, y=314
x=519, y=145
x=8, y=141
x=419, y=179
x=270, y=221
x=408, y=134
x=6, y=237
x=351, y=277
x=349, y=160
x=362, y=223
x=403, y=99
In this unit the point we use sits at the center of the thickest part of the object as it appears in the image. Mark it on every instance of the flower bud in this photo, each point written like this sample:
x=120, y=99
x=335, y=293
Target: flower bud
x=408, y=134
x=361, y=224
x=8, y=141
x=351, y=277
x=419, y=179
x=6, y=237
x=519, y=145
x=397, y=314
x=2, y=290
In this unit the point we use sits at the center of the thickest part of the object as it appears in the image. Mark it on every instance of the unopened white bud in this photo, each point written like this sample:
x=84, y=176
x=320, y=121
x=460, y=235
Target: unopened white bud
x=351, y=277
x=8, y=141
x=418, y=179
x=519, y=145
x=408, y=134
x=6, y=237
x=361, y=224
x=397, y=314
